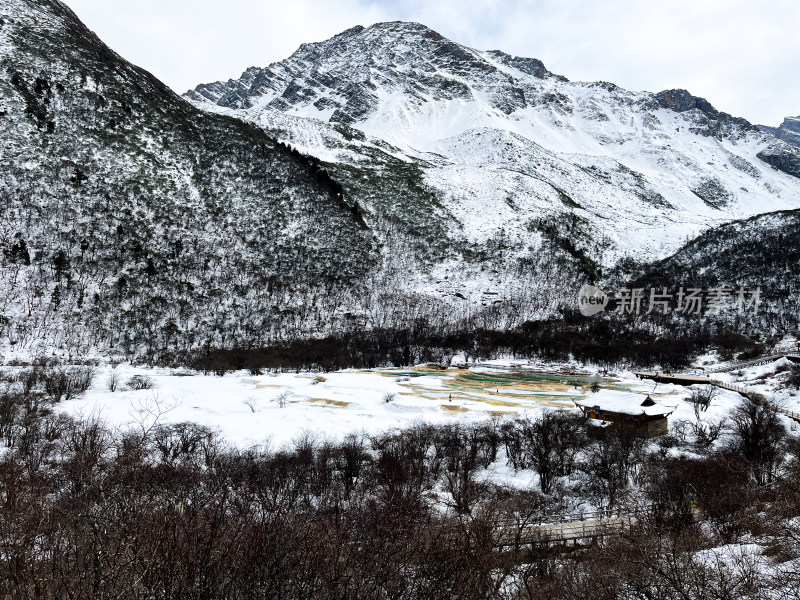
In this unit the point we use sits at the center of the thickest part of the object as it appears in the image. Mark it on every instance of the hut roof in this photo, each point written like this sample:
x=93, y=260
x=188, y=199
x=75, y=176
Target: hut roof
x=627, y=404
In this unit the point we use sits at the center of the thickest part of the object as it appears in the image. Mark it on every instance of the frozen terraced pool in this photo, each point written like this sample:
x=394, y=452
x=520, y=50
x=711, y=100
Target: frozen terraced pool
x=278, y=408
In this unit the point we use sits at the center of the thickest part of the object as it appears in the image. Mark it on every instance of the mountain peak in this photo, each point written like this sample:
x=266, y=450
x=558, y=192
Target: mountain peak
x=402, y=27
x=408, y=85
x=405, y=30
x=342, y=78
x=372, y=38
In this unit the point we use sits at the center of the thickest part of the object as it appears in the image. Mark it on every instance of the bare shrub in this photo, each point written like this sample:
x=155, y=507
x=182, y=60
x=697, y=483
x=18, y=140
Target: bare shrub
x=758, y=436
x=10, y=409
x=387, y=398
x=460, y=446
x=511, y=433
x=113, y=381
x=707, y=432
x=550, y=444
x=681, y=429
x=349, y=458
x=513, y=510
x=611, y=462
x=141, y=382
x=28, y=379
x=168, y=510
x=701, y=398
x=185, y=443
x=554, y=440
x=716, y=484
x=251, y=402
x=794, y=378
x=401, y=469
x=83, y=446
x=67, y=383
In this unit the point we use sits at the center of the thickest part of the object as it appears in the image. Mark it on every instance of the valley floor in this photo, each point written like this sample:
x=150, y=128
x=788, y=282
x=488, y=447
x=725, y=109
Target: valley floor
x=278, y=408
x=700, y=514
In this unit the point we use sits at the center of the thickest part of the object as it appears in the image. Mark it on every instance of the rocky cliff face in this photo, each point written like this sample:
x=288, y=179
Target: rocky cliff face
x=714, y=122
x=788, y=131
x=783, y=157
x=347, y=77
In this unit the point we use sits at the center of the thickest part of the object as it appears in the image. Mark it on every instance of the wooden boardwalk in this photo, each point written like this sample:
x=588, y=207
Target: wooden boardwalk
x=677, y=378
x=682, y=379
x=792, y=353
x=565, y=528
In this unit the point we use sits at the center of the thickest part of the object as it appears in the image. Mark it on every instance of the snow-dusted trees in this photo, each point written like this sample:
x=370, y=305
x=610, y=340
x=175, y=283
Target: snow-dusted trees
x=549, y=444
x=758, y=436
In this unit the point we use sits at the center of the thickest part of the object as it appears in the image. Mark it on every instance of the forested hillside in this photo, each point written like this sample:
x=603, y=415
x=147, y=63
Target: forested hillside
x=132, y=222
x=761, y=253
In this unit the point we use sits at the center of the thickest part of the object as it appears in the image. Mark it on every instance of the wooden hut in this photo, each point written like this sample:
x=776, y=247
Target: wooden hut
x=631, y=414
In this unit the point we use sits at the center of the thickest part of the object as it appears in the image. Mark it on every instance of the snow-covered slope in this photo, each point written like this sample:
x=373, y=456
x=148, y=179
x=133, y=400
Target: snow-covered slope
x=504, y=145
x=451, y=188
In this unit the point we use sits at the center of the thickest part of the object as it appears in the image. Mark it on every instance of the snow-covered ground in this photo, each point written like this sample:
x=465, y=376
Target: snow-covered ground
x=278, y=408
x=769, y=380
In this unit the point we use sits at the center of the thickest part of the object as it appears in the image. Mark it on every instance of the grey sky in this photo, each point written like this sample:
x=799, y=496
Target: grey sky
x=743, y=56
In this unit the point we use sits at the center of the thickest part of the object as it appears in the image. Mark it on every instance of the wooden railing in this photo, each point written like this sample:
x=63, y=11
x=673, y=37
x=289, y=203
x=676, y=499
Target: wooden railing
x=792, y=415
x=568, y=527
x=790, y=351
x=738, y=388
x=595, y=515
x=755, y=396
x=748, y=393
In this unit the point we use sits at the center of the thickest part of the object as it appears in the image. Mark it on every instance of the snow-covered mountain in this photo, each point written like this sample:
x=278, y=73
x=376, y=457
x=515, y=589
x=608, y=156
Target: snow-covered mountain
x=788, y=131
x=428, y=188
x=508, y=150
